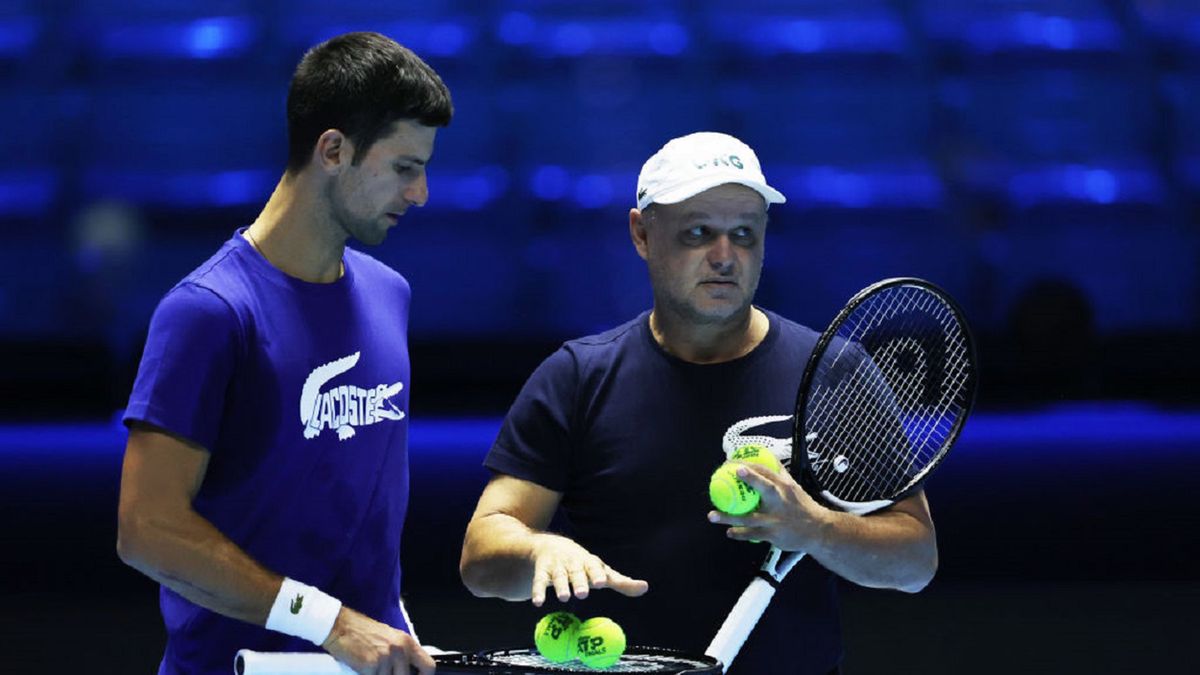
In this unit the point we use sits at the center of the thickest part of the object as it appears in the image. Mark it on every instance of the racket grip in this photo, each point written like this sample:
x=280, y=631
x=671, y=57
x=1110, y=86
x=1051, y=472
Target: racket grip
x=249, y=662
x=740, y=622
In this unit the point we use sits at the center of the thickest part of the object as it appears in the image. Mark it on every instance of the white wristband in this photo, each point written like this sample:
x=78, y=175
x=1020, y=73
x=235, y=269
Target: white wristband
x=303, y=611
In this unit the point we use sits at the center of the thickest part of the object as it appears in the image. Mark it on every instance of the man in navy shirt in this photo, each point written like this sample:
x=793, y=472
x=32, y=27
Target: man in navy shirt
x=265, y=480
x=622, y=429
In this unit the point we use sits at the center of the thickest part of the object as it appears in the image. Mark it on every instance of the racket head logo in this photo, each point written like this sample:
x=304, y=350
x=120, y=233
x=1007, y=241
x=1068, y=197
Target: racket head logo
x=841, y=463
x=901, y=346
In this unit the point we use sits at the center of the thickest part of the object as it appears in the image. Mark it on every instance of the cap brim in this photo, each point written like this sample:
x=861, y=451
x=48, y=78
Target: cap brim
x=693, y=188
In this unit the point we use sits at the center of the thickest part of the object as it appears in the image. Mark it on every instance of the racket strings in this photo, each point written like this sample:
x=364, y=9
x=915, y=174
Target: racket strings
x=628, y=663
x=887, y=397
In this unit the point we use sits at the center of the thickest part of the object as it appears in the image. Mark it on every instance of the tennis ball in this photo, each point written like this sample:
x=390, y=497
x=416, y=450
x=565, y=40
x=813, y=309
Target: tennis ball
x=599, y=642
x=729, y=493
x=757, y=454
x=555, y=636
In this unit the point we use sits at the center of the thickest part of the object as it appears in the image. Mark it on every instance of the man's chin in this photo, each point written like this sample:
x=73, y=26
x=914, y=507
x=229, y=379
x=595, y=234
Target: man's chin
x=371, y=238
x=717, y=312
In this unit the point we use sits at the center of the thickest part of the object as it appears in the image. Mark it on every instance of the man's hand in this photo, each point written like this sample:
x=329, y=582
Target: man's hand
x=892, y=548
x=374, y=648
x=786, y=516
x=567, y=566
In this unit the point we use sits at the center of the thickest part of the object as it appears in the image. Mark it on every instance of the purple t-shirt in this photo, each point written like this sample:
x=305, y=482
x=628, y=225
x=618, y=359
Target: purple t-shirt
x=630, y=435
x=300, y=393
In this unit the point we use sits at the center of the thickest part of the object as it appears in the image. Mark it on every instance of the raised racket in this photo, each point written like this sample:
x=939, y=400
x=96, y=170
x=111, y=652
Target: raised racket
x=494, y=662
x=883, y=398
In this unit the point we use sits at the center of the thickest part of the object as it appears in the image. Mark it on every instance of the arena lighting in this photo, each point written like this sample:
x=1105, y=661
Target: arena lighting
x=205, y=38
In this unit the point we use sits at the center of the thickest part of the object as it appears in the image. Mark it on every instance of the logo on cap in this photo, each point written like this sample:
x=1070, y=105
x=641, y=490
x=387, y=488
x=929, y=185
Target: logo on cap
x=732, y=160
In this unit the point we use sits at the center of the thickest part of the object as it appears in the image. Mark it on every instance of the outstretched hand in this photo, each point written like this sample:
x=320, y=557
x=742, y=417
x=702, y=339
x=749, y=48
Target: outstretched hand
x=573, y=570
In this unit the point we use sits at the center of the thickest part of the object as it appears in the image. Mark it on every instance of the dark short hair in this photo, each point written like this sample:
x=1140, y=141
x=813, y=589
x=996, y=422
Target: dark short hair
x=360, y=84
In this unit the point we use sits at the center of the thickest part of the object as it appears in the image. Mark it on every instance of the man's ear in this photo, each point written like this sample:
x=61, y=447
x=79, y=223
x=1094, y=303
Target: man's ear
x=637, y=231
x=333, y=151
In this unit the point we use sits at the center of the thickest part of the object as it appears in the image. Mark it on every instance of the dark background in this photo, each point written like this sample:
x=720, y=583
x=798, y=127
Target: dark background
x=1038, y=159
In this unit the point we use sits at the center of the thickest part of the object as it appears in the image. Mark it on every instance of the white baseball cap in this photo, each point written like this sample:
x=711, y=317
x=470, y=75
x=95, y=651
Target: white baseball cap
x=689, y=165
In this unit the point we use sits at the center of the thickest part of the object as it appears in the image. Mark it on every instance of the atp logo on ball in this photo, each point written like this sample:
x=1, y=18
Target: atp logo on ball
x=600, y=642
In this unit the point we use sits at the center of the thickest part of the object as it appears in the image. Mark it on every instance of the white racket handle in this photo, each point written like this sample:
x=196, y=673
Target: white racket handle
x=249, y=662
x=740, y=622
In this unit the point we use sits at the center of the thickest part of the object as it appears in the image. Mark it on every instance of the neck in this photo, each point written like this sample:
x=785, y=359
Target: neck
x=709, y=343
x=294, y=233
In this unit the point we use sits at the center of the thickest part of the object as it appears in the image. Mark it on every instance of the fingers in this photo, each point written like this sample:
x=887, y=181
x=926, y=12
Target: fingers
x=751, y=519
x=752, y=534
x=760, y=478
x=541, y=579
x=421, y=660
x=577, y=576
x=547, y=575
x=597, y=572
x=625, y=585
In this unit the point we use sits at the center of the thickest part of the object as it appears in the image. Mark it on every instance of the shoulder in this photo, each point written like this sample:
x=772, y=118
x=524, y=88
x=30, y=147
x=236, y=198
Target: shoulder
x=211, y=296
x=190, y=312
x=225, y=275
x=792, y=332
x=575, y=359
x=610, y=339
x=374, y=272
x=601, y=349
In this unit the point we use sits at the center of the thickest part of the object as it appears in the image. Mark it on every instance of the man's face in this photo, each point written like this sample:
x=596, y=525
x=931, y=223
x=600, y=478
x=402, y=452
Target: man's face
x=367, y=198
x=705, y=253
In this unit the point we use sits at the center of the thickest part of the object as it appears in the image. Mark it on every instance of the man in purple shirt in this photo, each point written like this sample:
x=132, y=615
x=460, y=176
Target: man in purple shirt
x=265, y=480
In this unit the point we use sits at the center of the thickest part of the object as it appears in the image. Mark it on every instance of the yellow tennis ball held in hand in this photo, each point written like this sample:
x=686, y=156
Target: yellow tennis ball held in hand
x=599, y=642
x=555, y=636
x=757, y=454
x=731, y=494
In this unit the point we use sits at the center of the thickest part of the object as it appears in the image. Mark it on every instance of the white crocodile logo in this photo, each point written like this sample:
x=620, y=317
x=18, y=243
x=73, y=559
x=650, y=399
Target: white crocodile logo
x=346, y=406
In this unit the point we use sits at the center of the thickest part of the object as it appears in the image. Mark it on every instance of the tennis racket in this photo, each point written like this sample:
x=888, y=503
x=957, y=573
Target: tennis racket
x=883, y=398
x=493, y=662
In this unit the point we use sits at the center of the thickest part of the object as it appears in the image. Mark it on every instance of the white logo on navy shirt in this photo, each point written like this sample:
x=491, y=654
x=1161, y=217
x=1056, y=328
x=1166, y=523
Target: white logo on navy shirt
x=735, y=437
x=344, y=407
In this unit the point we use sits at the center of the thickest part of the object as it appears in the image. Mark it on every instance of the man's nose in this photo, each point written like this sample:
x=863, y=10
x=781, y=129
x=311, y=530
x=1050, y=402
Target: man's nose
x=417, y=192
x=721, y=254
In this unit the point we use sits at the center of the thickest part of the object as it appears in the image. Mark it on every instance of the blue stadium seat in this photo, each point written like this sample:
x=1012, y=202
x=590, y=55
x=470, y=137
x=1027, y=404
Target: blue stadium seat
x=45, y=123
x=856, y=138
x=1136, y=266
x=131, y=40
x=814, y=30
x=1053, y=135
x=1174, y=28
x=555, y=29
x=580, y=140
x=816, y=260
x=175, y=147
x=464, y=285
x=1182, y=94
x=834, y=117
x=471, y=168
x=586, y=276
x=22, y=27
x=1045, y=31
x=440, y=32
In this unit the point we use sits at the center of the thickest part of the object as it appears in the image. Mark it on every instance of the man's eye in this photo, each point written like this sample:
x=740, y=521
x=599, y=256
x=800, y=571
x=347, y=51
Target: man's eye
x=695, y=233
x=743, y=234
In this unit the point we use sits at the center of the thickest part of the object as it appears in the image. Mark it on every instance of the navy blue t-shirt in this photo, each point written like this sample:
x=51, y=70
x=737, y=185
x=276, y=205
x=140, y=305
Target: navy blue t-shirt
x=300, y=393
x=630, y=435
